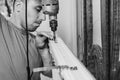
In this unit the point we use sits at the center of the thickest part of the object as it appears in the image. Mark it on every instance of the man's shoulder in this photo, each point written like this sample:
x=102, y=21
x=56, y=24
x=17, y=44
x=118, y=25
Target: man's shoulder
x=2, y=19
x=1, y=16
x=5, y=25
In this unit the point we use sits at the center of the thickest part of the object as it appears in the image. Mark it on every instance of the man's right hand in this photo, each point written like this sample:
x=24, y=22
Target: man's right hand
x=42, y=39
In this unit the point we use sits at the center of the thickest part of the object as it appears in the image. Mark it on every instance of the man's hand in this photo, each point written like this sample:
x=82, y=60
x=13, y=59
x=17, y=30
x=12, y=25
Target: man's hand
x=43, y=48
x=42, y=39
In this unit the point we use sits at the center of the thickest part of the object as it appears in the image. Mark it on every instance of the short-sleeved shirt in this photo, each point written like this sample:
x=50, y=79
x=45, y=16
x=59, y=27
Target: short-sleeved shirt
x=13, y=61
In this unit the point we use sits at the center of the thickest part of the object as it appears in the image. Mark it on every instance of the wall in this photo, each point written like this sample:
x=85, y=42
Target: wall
x=66, y=23
x=80, y=29
x=96, y=22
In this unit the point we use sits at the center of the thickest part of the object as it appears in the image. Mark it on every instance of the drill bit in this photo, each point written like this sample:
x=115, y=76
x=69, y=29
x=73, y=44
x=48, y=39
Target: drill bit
x=54, y=37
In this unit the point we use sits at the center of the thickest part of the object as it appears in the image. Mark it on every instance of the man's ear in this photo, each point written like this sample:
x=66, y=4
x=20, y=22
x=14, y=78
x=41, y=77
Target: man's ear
x=18, y=6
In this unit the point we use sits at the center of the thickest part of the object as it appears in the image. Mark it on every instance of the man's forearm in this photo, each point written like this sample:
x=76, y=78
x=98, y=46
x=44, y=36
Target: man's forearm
x=47, y=60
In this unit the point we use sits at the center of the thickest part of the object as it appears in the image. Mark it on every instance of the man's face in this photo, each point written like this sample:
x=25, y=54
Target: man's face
x=34, y=15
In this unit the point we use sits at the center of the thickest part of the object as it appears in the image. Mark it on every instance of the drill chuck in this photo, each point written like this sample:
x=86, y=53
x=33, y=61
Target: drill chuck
x=53, y=25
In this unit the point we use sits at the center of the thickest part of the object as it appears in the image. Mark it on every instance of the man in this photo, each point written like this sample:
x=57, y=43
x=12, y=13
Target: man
x=13, y=61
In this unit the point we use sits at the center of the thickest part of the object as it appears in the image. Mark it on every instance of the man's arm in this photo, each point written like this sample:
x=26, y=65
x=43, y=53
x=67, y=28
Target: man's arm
x=43, y=49
x=47, y=61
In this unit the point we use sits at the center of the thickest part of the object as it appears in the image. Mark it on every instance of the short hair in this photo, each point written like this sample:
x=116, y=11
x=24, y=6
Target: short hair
x=10, y=5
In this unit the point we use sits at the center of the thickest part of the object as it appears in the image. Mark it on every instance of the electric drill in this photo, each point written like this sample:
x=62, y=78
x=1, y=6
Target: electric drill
x=51, y=8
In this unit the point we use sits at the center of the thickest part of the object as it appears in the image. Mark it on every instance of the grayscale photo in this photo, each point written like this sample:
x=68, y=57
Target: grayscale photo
x=59, y=40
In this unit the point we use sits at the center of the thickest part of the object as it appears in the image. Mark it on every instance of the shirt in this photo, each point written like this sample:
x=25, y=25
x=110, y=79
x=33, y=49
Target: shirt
x=13, y=61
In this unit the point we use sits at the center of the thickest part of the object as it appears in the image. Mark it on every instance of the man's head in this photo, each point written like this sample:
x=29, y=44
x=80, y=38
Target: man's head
x=34, y=13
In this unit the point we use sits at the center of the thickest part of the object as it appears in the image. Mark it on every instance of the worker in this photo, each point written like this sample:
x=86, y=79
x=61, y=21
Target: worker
x=13, y=41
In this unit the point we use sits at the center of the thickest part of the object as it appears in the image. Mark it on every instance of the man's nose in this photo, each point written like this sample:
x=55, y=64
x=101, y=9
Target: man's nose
x=42, y=16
